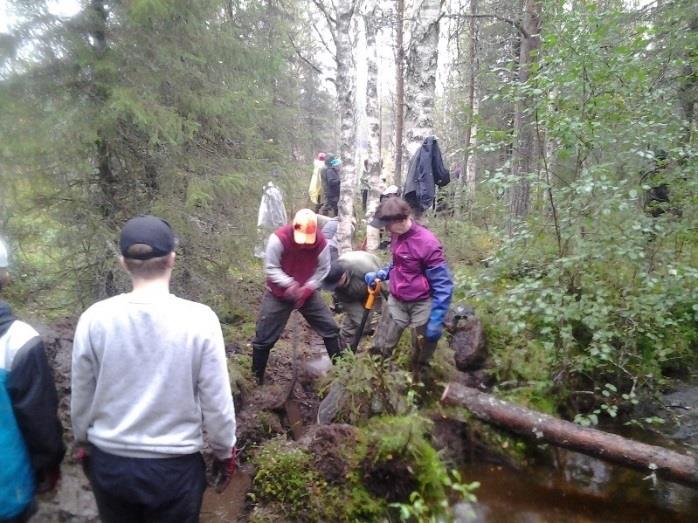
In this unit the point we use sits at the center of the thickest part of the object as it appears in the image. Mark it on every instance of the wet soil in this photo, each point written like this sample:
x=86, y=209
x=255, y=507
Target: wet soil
x=574, y=489
x=296, y=363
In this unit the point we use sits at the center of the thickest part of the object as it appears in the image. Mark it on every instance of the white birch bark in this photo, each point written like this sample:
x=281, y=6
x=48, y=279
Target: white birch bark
x=370, y=16
x=470, y=168
x=420, y=76
x=347, y=124
x=338, y=16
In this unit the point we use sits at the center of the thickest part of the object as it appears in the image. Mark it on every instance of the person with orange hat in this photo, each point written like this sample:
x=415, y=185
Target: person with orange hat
x=297, y=260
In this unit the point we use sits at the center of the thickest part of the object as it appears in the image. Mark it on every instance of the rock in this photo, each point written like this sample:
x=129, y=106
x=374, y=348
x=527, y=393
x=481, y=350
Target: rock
x=469, y=346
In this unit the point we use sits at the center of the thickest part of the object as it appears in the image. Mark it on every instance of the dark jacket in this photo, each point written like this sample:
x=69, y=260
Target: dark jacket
x=426, y=170
x=31, y=436
x=331, y=184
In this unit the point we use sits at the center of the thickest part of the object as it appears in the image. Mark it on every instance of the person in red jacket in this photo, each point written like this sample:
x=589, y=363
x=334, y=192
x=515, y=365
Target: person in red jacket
x=296, y=262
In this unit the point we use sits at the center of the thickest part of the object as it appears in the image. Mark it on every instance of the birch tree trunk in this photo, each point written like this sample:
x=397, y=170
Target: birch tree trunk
x=347, y=123
x=370, y=17
x=399, y=90
x=420, y=78
x=523, y=153
x=339, y=22
x=473, y=104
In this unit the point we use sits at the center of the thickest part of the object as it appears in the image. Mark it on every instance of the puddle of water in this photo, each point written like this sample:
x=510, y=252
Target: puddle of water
x=228, y=505
x=583, y=490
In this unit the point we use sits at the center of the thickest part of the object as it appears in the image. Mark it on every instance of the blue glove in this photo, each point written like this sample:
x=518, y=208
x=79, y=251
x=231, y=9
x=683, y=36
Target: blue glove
x=371, y=277
x=441, y=291
x=433, y=330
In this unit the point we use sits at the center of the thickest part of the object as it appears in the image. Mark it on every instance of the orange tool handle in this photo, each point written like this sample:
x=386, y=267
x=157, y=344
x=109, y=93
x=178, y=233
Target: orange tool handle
x=372, y=293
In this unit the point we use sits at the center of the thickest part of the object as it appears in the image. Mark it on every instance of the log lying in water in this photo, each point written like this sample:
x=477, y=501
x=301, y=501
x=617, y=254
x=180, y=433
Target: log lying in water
x=665, y=463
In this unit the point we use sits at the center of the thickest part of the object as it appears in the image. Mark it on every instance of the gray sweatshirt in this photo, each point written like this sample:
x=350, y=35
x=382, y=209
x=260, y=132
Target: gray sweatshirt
x=149, y=377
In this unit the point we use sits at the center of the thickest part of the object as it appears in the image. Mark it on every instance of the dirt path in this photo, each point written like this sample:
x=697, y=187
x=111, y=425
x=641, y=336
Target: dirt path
x=260, y=415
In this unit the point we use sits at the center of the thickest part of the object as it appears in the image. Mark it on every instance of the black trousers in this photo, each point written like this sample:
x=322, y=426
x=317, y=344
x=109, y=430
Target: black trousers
x=274, y=314
x=145, y=490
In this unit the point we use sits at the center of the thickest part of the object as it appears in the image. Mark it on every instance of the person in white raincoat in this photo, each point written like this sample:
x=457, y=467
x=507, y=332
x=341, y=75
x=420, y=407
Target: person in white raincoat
x=271, y=216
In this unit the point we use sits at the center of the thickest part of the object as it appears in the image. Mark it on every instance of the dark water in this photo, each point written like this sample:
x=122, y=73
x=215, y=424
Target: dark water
x=586, y=490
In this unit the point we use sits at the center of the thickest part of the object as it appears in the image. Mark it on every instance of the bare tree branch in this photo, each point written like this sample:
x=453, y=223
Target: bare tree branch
x=514, y=23
x=303, y=58
x=322, y=39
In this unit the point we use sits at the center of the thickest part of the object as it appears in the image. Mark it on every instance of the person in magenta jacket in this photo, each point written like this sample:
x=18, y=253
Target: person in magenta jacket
x=421, y=285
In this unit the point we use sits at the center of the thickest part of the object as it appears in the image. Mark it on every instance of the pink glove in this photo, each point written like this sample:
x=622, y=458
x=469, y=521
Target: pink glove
x=305, y=292
x=223, y=470
x=293, y=292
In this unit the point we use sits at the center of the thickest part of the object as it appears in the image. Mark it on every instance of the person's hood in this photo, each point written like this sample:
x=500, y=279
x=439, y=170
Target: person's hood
x=6, y=317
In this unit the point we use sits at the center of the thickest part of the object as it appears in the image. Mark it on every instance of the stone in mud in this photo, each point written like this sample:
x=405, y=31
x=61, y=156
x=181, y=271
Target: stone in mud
x=467, y=338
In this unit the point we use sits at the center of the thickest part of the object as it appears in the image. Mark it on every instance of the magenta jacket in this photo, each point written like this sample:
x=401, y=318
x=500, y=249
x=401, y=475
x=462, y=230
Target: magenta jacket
x=414, y=252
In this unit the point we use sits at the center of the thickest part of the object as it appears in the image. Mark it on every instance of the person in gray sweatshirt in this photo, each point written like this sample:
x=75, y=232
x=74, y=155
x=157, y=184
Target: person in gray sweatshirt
x=149, y=378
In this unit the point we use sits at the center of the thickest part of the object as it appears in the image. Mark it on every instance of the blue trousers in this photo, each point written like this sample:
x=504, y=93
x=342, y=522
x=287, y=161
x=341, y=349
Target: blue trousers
x=145, y=490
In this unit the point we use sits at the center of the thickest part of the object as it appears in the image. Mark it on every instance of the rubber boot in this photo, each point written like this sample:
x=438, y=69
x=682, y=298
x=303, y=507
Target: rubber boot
x=259, y=363
x=422, y=352
x=333, y=349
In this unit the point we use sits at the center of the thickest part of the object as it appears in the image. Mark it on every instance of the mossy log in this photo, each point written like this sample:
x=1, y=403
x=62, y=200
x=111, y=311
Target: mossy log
x=667, y=464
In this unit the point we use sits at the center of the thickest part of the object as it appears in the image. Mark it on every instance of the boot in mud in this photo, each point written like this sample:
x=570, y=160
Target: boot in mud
x=334, y=351
x=422, y=353
x=259, y=363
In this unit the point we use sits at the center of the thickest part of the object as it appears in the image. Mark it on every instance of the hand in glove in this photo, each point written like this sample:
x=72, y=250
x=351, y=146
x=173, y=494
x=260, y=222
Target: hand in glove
x=47, y=479
x=371, y=277
x=293, y=292
x=222, y=471
x=81, y=455
x=305, y=292
x=433, y=330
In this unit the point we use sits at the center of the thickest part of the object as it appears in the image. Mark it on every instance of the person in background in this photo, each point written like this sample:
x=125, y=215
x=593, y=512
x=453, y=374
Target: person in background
x=31, y=435
x=271, y=214
x=149, y=378
x=296, y=262
x=364, y=185
x=420, y=284
x=331, y=185
x=315, y=188
x=390, y=192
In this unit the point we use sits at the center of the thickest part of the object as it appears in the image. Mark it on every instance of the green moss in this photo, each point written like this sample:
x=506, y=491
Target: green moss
x=286, y=480
x=284, y=476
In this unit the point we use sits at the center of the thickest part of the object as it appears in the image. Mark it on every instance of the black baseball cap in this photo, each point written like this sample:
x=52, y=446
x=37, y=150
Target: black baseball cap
x=147, y=230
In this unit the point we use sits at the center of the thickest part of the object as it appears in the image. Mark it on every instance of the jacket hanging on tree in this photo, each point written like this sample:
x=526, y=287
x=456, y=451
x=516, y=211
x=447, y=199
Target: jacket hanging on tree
x=272, y=214
x=426, y=171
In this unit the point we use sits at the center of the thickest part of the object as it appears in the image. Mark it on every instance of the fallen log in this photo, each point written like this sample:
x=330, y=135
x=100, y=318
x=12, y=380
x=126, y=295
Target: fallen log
x=667, y=464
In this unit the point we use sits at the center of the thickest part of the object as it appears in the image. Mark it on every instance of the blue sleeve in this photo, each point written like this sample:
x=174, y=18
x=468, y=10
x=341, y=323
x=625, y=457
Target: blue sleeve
x=441, y=285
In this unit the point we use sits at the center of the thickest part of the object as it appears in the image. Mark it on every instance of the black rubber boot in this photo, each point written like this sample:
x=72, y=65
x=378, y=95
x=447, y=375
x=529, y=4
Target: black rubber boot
x=422, y=353
x=259, y=364
x=333, y=349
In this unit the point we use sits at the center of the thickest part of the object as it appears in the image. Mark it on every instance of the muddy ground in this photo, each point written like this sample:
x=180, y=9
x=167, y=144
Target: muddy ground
x=261, y=413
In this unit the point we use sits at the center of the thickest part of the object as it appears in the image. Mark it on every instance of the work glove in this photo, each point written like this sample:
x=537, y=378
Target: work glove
x=47, y=479
x=293, y=292
x=371, y=277
x=81, y=455
x=305, y=292
x=222, y=471
x=434, y=330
